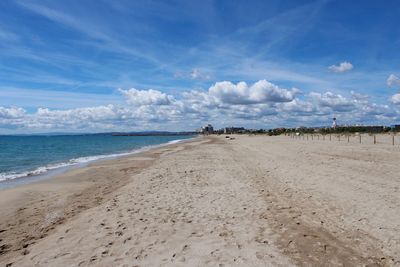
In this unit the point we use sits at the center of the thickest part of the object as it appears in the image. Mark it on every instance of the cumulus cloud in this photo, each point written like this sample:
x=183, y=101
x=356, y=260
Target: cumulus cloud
x=146, y=97
x=393, y=80
x=12, y=112
x=343, y=67
x=372, y=109
x=395, y=99
x=12, y=117
x=78, y=118
x=257, y=93
x=298, y=108
x=99, y=113
x=223, y=103
x=336, y=102
x=358, y=97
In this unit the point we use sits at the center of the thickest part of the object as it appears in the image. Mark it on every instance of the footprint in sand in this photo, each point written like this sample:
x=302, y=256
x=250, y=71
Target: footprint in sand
x=128, y=239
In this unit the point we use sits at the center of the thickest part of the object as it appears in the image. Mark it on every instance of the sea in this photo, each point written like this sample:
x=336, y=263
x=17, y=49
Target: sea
x=24, y=159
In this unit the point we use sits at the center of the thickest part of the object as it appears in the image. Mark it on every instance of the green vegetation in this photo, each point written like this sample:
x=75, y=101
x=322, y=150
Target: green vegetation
x=319, y=130
x=337, y=130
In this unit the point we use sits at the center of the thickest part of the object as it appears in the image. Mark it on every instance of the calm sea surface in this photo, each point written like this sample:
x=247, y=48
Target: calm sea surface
x=29, y=156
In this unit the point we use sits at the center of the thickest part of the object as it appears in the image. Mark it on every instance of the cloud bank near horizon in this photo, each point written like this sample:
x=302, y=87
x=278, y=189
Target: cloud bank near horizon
x=262, y=104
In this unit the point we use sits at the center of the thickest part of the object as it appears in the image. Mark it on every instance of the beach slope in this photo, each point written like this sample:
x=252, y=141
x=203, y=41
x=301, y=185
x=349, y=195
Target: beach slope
x=250, y=201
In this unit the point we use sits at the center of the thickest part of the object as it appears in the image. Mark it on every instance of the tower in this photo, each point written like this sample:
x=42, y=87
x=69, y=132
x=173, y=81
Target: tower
x=334, y=124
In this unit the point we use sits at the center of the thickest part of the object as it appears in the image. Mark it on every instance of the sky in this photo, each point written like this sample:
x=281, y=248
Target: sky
x=97, y=65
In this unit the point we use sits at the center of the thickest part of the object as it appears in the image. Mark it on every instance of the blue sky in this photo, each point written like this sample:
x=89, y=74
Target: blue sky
x=137, y=65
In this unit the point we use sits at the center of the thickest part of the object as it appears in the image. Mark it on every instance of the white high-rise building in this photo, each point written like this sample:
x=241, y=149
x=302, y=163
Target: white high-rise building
x=207, y=129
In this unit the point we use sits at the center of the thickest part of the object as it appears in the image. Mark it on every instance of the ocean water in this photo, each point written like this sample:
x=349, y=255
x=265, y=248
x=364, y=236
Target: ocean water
x=30, y=156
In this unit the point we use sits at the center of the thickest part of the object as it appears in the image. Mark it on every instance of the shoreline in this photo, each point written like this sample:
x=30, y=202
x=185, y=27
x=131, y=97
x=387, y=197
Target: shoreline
x=52, y=170
x=33, y=210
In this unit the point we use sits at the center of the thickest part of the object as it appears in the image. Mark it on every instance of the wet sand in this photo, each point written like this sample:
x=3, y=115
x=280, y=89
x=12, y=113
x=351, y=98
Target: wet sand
x=251, y=201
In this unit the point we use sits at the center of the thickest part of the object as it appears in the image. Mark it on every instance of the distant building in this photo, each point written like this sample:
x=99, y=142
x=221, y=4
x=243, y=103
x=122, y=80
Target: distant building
x=207, y=129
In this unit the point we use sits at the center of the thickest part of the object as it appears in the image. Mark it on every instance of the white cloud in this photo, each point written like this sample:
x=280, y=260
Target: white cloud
x=99, y=113
x=393, y=80
x=11, y=113
x=343, y=67
x=395, y=99
x=197, y=74
x=146, y=97
x=194, y=74
x=298, y=108
x=336, y=102
x=358, y=97
x=372, y=109
x=102, y=117
x=261, y=103
x=257, y=93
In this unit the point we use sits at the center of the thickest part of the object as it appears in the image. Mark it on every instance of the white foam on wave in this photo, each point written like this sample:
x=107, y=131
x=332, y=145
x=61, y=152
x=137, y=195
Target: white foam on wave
x=37, y=171
x=175, y=141
x=78, y=161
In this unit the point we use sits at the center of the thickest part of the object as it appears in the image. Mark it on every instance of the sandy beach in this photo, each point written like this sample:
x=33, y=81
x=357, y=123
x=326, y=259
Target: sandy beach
x=213, y=201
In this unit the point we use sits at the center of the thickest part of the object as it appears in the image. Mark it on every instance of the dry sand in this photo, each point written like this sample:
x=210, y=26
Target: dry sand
x=251, y=201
